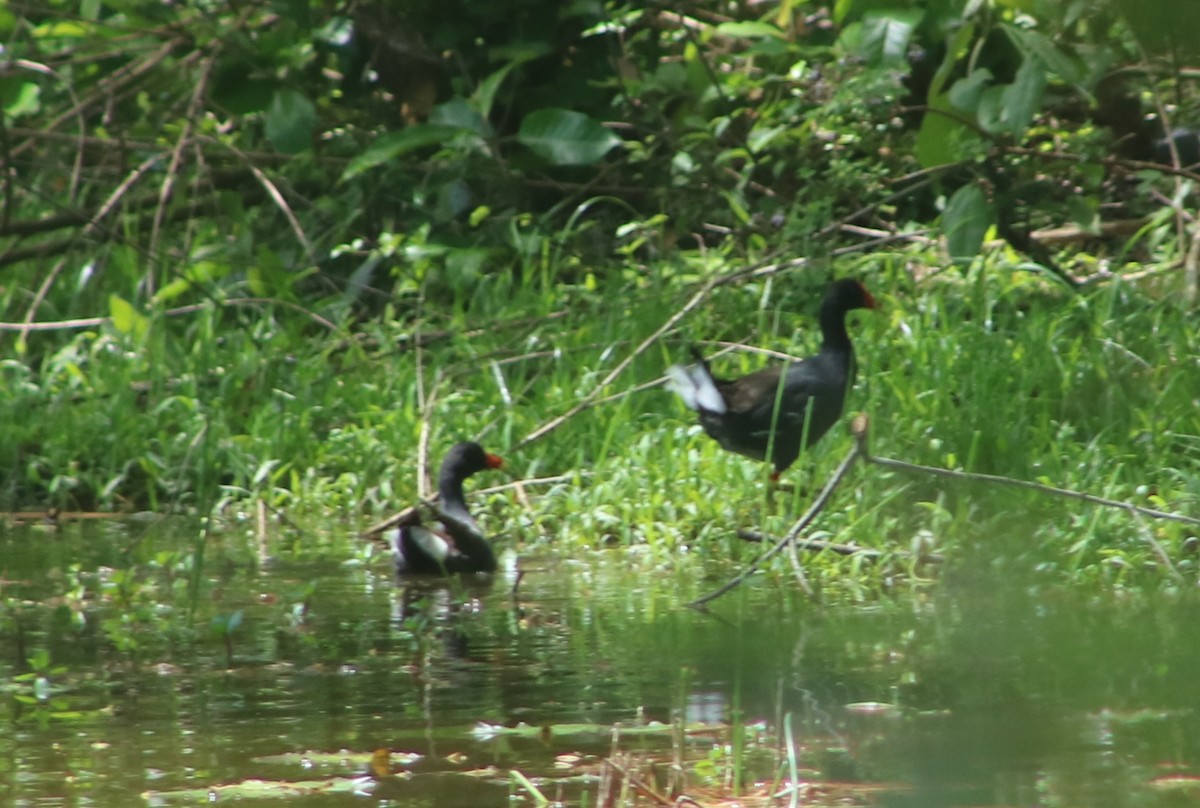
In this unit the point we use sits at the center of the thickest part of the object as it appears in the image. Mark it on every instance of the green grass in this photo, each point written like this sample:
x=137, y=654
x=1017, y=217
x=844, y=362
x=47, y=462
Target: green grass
x=999, y=371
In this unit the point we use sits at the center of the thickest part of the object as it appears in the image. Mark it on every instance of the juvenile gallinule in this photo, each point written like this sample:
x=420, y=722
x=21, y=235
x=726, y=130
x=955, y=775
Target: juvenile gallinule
x=455, y=544
x=798, y=403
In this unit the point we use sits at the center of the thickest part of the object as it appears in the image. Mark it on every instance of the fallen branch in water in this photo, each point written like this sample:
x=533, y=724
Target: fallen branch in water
x=1041, y=488
x=859, y=428
x=841, y=548
x=406, y=516
x=803, y=522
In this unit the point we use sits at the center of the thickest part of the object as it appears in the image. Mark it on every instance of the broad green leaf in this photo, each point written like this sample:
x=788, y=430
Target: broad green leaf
x=1009, y=109
x=125, y=318
x=1040, y=47
x=394, y=144
x=485, y=94
x=290, y=122
x=201, y=272
x=990, y=110
x=761, y=136
x=566, y=138
x=1023, y=98
x=458, y=113
x=20, y=98
x=1164, y=27
x=934, y=145
x=172, y=290
x=965, y=222
x=957, y=48
x=964, y=94
x=886, y=34
x=1084, y=211
x=454, y=198
x=943, y=138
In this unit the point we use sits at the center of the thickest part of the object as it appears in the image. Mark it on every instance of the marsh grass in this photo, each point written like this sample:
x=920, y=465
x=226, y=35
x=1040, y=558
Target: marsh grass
x=998, y=370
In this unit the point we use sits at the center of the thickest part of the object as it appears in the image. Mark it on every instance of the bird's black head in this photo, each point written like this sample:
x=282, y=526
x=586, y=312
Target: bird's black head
x=848, y=294
x=467, y=458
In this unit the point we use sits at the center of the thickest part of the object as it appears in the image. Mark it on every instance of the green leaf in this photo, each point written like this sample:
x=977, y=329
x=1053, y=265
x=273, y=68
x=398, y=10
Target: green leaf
x=64, y=30
x=566, y=138
x=1040, y=46
x=394, y=144
x=19, y=98
x=1023, y=98
x=485, y=94
x=1084, y=211
x=125, y=318
x=966, y=221
x=885, y=35
x=290, y=122
x=749, y=30
x=199, y=273
x=957, y=47
x=761, y=136
x=1009, y=109
x=458, y=113
x=1163, y=27
x=965, y=93
x=943, y=138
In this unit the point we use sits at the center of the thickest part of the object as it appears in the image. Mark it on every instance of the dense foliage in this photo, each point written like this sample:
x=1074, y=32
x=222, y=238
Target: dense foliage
x=257, y=250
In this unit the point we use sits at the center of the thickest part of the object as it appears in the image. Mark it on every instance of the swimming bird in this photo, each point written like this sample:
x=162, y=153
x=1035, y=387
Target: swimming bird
x=455, y=544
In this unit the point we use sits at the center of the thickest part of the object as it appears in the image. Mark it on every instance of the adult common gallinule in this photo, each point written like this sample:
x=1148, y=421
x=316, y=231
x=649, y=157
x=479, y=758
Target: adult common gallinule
x=456, y=543
x=773, y=413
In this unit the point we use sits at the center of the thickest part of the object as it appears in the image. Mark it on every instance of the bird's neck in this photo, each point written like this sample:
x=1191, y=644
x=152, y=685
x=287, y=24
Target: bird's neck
x=450, y=488
x=833, y=331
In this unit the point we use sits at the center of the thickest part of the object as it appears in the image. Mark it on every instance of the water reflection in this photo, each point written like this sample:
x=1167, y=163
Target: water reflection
x=985, y=693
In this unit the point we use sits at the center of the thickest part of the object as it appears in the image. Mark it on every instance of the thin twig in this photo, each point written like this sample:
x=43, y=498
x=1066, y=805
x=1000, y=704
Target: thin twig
x=798, y=569
x=1158, y=549
x=109, y=86
x=192, y=308
x=166, y=191
x=407, y=514
x=861, y=438
x=558, y=421
x=286, y=209
x=841, y=548
x=425, y=405
x=91, y=227
x=1109, y=162
x=803, y=522
x=593, y=398
x=1031, y=486
x=77, y=167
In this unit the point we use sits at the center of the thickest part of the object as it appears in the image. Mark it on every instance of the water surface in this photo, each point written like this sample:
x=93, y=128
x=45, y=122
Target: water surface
x=121, y=689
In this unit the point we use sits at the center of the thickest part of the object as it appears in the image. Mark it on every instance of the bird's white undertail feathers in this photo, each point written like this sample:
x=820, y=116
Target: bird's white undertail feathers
x=431, y=543
x=695, y=386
